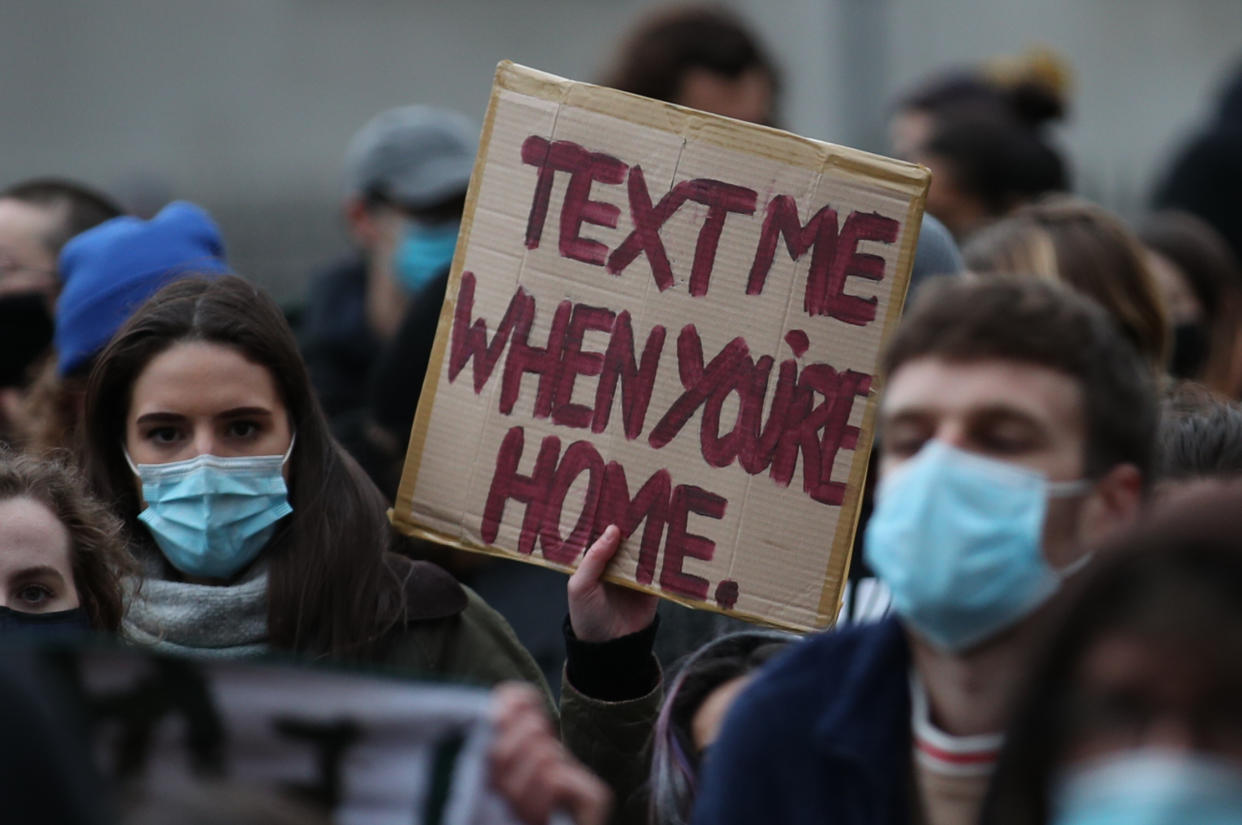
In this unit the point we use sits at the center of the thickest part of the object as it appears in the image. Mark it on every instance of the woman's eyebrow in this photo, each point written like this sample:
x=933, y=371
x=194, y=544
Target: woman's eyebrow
x=158, y=417
x=237, y=412
x=38, y=571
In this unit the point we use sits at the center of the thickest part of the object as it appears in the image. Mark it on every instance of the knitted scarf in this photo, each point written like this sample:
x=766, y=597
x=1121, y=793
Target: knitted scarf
x=224, y=621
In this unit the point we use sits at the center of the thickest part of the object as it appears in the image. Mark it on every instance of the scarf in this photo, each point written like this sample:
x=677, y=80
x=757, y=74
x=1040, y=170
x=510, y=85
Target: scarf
x=222, y=621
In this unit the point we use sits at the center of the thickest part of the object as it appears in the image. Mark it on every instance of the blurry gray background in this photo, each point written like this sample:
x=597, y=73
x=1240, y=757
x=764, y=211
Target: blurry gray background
x=245, y=106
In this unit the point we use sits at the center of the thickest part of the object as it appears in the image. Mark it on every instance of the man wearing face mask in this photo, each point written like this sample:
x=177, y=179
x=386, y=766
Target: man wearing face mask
x=407, y=171
x=1016, y=427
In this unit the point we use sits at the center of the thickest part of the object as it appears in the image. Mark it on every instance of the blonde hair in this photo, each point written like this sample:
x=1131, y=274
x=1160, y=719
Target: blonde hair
x=1075, y=242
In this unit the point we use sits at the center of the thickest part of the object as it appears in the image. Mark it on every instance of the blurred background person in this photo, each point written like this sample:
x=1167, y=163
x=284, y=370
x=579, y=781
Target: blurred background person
x=406, y=174
x=25, y=339
x=1201, y=283
x=985, y=165
x=61, y=551
x=37, y=217
x=1134, y=711
x=1079, y=244
x=1206, y=174
x=108, y=272
x=703, y=57
x=1199, y=437
x=694, y=708
x=1032, y=89
x=984, y=133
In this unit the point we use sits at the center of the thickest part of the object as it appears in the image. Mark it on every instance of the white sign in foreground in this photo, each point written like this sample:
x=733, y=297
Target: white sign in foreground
x=367, y=750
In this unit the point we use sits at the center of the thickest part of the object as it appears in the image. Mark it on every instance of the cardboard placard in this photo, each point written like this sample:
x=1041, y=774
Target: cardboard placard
x=670, y=321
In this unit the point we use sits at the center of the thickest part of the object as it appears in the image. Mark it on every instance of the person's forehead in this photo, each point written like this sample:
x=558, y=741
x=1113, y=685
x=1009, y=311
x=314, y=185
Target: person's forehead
x=30, y=534
x=745, y=97
x=199, y=377
x=23, y=225
x=941, y=387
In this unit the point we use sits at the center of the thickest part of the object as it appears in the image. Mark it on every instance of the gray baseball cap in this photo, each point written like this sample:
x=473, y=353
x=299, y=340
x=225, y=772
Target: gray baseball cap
x=416, y=155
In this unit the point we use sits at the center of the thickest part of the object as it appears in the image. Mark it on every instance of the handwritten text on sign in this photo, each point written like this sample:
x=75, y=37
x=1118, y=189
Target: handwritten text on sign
x=581, y=392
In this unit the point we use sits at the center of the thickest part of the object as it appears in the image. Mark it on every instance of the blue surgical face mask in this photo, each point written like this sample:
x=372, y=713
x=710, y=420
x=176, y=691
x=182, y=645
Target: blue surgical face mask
x=1150, y=786
x=958, y=539
x=425, y=253
x=210, y=515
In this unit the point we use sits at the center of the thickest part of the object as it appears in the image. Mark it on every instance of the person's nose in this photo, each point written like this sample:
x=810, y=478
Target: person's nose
x=953, y=434
x=204, y=442
x=1171, y=733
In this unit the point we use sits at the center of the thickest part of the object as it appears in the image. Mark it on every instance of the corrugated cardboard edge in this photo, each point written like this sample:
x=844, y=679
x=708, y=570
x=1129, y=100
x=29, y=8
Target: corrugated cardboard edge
x=793, y=150
x=847, y=529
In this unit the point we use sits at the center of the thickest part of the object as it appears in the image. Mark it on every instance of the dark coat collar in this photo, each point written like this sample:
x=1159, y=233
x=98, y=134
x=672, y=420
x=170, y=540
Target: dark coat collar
x=866, y=713
x=430, y=592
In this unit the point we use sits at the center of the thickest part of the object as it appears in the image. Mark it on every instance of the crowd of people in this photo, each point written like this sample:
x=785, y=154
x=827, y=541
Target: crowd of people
x=1039, y=625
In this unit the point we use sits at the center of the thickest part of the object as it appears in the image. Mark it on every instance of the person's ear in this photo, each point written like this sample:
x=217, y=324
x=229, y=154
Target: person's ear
x=1113, y=505
x=361, y=222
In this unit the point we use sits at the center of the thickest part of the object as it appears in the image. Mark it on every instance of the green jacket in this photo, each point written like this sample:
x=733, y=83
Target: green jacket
x=451, y=632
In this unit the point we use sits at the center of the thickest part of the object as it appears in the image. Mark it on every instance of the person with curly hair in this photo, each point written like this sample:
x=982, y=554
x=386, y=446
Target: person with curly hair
x=61, y=553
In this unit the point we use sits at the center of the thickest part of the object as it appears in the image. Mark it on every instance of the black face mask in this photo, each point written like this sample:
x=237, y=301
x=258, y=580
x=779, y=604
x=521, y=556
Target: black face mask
x=25, y=334
x=16, y=624
x=1190, y=349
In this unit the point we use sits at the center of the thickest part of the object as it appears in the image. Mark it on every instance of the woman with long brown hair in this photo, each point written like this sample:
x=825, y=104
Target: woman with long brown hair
x=254, y=529
x=256, y=532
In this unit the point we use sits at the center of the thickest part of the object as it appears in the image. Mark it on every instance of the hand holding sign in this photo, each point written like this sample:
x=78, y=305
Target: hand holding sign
x=600, y=611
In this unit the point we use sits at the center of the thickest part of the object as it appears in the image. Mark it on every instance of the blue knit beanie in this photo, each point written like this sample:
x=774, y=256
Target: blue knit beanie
x=110, y=270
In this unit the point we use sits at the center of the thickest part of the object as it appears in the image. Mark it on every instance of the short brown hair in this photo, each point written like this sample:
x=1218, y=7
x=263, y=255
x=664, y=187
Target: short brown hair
x=77, y=207
x=97, y=550
x=1037, y=322
x=655, y=57
x=1082, y=245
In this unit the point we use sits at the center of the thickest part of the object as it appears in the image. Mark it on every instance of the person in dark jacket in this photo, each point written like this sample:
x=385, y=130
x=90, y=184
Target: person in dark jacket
x=1204, y=176
x=407, y=170
x=1017, y=425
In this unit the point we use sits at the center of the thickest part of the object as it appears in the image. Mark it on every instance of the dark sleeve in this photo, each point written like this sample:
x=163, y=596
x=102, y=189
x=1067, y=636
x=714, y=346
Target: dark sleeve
x=610, y=698
x=616, y=670
x=476, y=646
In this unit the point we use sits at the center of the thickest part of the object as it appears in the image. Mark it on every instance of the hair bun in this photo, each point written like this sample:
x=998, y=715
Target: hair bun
x=1037, y=83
